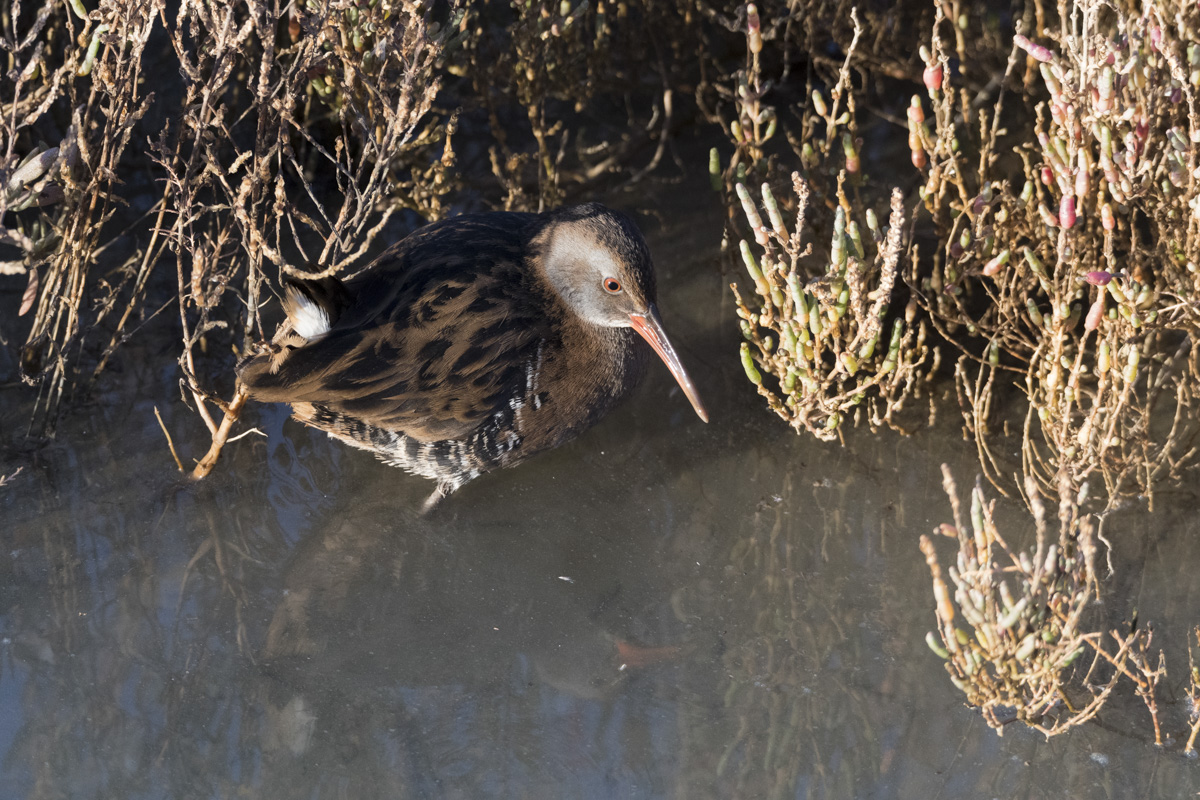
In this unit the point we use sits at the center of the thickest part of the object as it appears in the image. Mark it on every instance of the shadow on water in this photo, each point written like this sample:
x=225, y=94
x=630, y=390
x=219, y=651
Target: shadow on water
x=659, y=609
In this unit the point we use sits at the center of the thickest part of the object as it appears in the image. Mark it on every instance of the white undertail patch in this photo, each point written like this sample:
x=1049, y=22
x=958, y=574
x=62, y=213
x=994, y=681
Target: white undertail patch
x=308, y=319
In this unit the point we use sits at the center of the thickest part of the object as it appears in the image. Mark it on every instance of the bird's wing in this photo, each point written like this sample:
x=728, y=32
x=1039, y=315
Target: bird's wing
x=436, y=341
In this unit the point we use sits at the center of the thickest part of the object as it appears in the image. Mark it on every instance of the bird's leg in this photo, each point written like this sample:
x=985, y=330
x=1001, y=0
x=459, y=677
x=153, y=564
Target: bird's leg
x=443, y=489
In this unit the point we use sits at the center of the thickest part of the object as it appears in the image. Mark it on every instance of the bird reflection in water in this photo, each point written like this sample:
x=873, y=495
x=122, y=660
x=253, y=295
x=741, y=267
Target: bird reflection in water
x=372, y=619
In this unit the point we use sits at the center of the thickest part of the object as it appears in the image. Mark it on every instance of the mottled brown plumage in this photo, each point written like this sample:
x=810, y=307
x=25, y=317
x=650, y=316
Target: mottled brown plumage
x=473, y=343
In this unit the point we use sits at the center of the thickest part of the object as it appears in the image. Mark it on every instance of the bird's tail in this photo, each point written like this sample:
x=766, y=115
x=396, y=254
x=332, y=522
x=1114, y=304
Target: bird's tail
x=313, y=309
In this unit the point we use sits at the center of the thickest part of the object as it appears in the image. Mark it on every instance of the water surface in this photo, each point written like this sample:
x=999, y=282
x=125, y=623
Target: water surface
x=659, y=609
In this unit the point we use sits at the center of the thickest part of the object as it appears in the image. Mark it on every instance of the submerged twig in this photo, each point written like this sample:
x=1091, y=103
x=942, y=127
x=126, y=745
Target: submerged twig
x=170, y=444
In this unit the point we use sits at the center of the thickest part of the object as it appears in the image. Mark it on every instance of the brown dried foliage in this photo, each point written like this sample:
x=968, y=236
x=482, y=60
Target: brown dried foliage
x=339, y=105
x=95, y=98
x=296, y=136
x=282, y=141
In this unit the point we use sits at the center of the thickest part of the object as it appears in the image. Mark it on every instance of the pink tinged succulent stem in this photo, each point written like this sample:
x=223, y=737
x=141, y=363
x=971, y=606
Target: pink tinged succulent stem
x=754, y=29
x=932, y=76
x=1066, y=211
x=1095, y=313
x=1037, y=51
x=1142, y=130
x=916, y=120
x=850, y=148
x=998, y=263
x=1106, y=89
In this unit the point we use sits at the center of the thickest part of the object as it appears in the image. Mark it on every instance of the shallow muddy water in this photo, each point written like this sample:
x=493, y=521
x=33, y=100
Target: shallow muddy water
x=661, y=608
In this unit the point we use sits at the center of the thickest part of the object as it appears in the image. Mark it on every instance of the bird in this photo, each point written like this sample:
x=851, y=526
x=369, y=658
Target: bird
x=473, y=343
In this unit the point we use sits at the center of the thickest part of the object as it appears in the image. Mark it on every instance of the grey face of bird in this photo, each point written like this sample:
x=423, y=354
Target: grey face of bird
x=599, y=264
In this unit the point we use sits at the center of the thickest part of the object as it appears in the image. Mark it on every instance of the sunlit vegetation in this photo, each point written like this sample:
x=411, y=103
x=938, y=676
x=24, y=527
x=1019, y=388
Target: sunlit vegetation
x=1006, y=199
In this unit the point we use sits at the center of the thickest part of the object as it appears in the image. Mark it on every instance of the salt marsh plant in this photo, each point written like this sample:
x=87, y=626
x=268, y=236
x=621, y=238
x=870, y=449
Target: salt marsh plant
x=539, y=70
x=1066, y=212
x=346, y=98
x=822, y=323
x=281, y=141
x=822, y=328
x=1011, y=629
x=1067, y=232
x=1017, y=629
x=257, y=109
x=71, y=98
x=1057, y=185
x=1050, y=242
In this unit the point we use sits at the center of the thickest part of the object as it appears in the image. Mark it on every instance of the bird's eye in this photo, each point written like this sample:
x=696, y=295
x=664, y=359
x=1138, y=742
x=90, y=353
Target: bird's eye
x=612, y=285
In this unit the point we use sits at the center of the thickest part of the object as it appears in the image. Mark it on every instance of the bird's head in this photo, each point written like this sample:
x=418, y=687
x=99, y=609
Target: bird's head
x=598, y=263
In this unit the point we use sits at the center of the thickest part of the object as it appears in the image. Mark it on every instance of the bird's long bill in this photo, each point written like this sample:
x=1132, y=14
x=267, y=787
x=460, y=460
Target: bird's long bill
x=650, y=327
